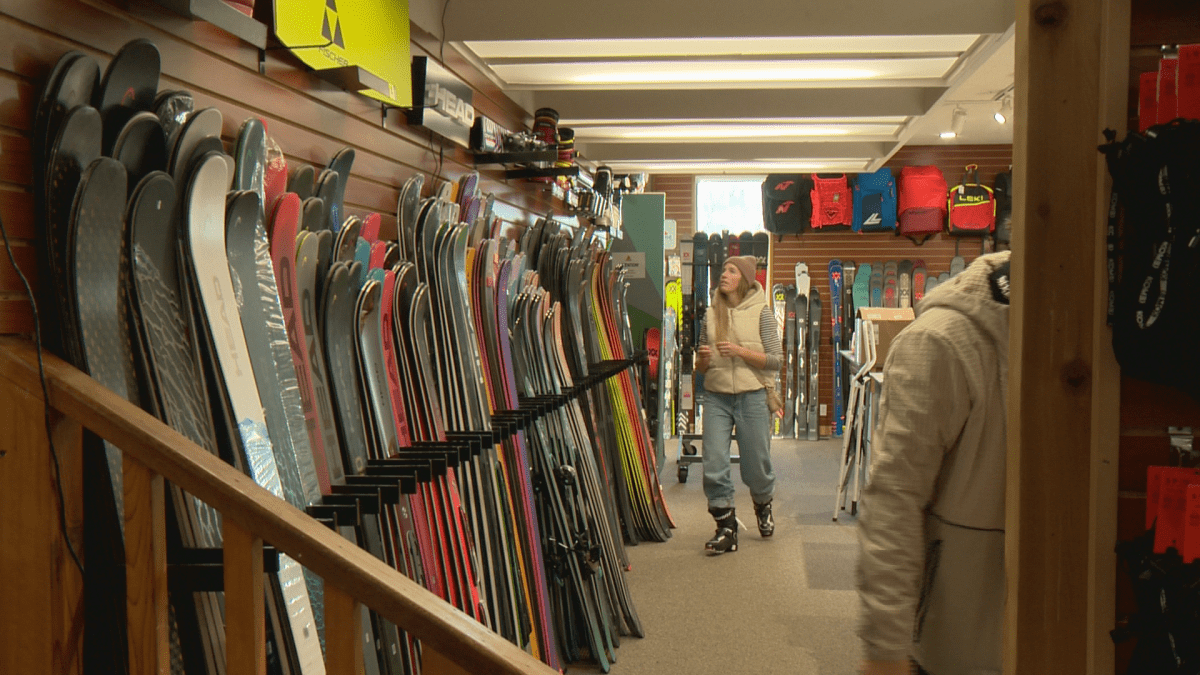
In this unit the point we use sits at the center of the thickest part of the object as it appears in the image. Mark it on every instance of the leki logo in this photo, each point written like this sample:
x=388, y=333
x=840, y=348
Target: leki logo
x=785, y=185
x=785, y=207
x=874, y=219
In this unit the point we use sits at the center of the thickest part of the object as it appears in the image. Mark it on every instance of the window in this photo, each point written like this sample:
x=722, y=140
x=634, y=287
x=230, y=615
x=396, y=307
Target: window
x=732, y=203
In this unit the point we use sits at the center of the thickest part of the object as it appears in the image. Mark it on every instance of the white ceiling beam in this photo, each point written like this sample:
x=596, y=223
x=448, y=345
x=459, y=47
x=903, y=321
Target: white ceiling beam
x=971, y=62
x=733, y=104
x=586, y=19
x=748, y=151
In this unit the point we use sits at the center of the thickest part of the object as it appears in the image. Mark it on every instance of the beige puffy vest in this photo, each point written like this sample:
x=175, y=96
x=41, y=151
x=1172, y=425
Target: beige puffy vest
x=732, y=375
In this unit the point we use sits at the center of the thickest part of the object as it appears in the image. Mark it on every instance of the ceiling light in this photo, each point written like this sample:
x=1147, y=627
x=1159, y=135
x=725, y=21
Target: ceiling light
x=957, y=119
x=1005, y=111
x=793, y=74
x=723, y=131
x=716, y=73
x=579, y=122
x=896, y=44
x=755, y=166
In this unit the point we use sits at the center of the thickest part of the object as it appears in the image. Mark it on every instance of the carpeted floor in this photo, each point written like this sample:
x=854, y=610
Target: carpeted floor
x=782, y=605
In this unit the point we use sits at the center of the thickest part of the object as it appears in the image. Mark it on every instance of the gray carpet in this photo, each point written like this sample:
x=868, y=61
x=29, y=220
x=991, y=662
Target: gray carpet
x=782, y=605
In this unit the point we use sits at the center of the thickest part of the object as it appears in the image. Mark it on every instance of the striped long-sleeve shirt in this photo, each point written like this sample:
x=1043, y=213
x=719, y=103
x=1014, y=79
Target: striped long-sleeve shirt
x=768, y=329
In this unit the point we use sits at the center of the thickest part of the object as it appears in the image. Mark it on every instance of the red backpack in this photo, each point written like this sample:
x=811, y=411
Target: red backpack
x=922, y=202
x=972, y=206
x=832, y=202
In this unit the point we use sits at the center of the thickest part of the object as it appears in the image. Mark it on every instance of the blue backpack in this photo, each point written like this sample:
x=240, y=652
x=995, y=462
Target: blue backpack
x=875, y=202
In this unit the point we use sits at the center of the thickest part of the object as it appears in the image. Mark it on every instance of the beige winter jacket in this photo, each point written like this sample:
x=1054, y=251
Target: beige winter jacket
x=931, y=563
x=732, y=375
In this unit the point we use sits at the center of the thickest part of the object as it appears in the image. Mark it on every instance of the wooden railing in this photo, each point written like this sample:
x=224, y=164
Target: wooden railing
x=452, y=642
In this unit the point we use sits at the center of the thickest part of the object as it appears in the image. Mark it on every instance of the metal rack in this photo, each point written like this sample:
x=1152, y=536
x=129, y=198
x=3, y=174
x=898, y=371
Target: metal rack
x=688, y=453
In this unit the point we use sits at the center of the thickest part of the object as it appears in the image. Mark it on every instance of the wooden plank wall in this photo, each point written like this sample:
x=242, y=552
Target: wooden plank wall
x=817, y=249
x=309, y=118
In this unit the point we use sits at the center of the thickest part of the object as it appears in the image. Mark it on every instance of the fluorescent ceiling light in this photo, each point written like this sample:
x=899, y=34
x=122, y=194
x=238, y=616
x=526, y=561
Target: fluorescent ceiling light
x=895, y=44
x=760, y=166
x=723, y=74
x=732, y=132
x=948, y=134
x=895, y=120
x=710, y=71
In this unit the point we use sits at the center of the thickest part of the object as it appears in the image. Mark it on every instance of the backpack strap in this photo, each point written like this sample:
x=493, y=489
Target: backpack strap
x=1112, y=151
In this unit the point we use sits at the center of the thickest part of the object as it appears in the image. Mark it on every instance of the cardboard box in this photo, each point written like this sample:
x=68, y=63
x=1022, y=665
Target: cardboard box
x=888, y=324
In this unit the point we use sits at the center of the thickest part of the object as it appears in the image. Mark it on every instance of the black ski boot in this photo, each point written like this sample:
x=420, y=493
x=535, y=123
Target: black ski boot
x=725, y=540
x=766, y=523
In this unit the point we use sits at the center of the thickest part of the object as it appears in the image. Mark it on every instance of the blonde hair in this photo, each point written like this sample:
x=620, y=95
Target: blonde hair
x=722, y=305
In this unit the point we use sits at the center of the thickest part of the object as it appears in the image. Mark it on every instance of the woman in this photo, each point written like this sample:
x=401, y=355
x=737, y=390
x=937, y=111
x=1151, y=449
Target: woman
x=739, y=353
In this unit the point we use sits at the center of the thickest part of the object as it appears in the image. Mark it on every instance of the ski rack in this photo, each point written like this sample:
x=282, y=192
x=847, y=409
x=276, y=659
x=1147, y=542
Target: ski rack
x=197, y=570
x=384, y=481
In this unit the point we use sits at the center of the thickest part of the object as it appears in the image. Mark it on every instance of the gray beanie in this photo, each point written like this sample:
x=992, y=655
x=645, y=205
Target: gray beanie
x=746, y=264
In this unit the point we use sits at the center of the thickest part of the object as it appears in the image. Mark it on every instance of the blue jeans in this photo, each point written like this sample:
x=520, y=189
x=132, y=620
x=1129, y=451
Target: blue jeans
x=748, y=411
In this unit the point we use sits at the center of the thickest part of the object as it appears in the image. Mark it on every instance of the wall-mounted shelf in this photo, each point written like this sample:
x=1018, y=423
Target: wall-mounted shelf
x=222, y=16
x=518, y=157
x=353, y=78
x=552, y=172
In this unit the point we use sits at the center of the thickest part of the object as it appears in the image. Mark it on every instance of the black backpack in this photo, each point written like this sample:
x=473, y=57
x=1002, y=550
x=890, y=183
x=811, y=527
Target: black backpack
x=1002, y=190
x=787, y=208
x=1154, y=253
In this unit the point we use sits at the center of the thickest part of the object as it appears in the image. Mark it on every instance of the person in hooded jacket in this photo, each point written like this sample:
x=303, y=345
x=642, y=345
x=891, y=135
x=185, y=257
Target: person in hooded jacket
x=931, y=534
x=739, y=353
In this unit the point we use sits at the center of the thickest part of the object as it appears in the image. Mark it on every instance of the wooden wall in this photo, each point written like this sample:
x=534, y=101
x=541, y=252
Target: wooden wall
x=309, y=118
x=817, y=249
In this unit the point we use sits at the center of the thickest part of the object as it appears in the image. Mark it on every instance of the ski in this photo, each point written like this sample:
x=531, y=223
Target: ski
x=205, y=207
x=904, y=285
x=790, y=366
x=798, y=396
x=814, y=361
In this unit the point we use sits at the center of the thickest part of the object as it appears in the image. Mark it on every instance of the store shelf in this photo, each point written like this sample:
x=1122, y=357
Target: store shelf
x=222, y=16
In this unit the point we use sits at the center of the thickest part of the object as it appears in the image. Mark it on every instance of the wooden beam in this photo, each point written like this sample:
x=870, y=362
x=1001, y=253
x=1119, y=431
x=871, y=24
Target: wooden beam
x=1062, y=390
x=1106, y=376
x=435, y=622
x=245, y=614
x=42, y=592
x=146, y=569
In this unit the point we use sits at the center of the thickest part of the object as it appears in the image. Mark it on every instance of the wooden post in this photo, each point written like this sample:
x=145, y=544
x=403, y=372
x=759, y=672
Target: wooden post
x=1063, y=396
x=343, y=633
x=42, y=591
x=245, y=614
x=434, y=662
x=146, y=570
x=1106, y=374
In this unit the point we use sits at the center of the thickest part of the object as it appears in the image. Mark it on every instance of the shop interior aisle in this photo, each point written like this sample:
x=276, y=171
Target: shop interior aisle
x=780, y=605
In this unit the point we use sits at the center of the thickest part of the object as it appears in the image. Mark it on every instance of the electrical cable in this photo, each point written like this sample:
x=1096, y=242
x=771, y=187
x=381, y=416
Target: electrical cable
x=37, y=339
x=442, y=46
